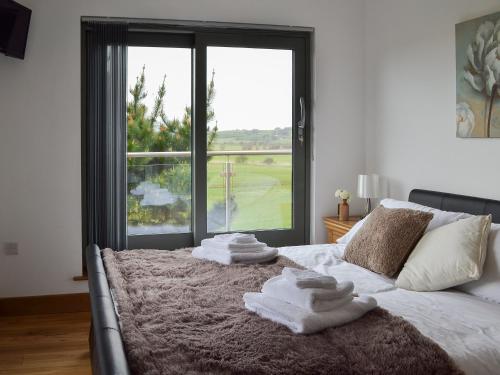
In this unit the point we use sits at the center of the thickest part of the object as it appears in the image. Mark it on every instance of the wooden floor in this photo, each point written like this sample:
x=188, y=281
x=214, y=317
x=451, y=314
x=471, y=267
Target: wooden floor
x=52, y=344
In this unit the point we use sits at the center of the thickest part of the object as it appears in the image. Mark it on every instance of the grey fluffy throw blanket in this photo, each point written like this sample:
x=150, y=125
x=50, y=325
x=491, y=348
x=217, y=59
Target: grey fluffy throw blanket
x=180, y=315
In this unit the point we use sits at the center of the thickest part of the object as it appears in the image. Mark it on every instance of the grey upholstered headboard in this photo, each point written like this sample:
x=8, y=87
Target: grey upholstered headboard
x=456, y=203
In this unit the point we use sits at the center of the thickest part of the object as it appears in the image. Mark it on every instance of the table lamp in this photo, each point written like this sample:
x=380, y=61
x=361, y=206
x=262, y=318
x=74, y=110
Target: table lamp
x=370, y=186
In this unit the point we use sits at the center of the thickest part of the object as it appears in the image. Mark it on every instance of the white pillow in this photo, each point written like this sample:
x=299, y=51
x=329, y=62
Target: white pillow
x=440, y=217
x=488, y=286
x=448, y=256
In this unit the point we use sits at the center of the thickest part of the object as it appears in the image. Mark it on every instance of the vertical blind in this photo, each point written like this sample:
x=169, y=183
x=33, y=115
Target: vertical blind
x=105, y=135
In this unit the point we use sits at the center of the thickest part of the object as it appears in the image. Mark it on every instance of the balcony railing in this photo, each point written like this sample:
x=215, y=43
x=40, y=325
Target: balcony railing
x=187, y=154
x=227, y=171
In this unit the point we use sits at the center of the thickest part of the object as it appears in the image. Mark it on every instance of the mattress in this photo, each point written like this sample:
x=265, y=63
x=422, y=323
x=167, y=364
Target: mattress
x=466, y=327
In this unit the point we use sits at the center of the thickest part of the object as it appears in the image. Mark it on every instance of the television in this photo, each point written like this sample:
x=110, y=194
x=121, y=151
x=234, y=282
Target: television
x=14, y=25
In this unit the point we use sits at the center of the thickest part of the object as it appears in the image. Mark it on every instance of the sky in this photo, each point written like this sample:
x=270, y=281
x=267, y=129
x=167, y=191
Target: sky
x=241, y=74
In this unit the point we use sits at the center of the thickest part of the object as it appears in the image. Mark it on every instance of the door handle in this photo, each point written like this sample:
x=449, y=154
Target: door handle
x=301, y=124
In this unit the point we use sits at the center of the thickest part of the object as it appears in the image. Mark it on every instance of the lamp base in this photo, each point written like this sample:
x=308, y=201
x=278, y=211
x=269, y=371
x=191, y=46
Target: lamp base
x=368, y=208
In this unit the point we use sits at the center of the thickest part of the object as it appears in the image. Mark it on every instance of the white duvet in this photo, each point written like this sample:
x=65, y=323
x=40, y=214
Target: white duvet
x=466, y=327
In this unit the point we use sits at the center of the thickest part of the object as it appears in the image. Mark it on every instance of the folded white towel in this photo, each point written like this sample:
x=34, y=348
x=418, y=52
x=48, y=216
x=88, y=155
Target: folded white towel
x=303, y=322
x=233, y=247
x=304, y=279
x=236, y=238
x=312, y=299
x=224, y=256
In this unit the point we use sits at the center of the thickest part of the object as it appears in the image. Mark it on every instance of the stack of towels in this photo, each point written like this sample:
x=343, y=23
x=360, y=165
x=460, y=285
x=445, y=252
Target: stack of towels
x=306, y=301
x=235, y=248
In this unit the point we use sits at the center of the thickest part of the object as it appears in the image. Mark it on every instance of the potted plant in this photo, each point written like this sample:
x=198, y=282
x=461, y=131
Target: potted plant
x=344, y=198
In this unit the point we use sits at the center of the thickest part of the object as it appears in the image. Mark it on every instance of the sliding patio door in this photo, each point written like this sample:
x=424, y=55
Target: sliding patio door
x=217, y=137
x=159, y=140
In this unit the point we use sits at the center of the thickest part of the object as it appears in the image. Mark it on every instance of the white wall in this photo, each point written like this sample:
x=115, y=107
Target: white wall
x=40, y=122
x=410, y=99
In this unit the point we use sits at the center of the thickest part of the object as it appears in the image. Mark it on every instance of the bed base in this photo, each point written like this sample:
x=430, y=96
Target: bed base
x=107, y=353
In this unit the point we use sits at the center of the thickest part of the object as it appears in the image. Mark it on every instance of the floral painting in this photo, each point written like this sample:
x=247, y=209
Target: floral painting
x=478, y=77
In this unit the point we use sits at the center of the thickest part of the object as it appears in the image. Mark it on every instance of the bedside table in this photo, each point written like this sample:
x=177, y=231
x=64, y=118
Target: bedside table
x=336, y=228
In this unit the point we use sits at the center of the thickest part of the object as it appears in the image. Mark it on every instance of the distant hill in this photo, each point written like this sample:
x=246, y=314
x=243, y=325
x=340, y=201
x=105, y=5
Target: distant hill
x=255, y=139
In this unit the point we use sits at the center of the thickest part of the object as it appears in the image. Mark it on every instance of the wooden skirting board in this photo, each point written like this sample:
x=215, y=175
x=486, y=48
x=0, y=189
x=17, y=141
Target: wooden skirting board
x=51, y=304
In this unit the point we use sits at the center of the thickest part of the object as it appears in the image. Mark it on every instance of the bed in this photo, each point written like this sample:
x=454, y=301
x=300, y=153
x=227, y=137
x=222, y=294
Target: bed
x=466, y=327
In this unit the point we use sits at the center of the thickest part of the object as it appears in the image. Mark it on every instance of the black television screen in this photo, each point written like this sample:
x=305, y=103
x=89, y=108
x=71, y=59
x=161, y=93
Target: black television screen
x=14, y=25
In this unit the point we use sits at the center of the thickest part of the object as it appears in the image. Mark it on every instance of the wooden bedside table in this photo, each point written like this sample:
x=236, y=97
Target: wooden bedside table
x=336, y=228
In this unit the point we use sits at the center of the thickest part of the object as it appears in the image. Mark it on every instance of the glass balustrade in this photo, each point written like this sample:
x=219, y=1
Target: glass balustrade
x=246, y=191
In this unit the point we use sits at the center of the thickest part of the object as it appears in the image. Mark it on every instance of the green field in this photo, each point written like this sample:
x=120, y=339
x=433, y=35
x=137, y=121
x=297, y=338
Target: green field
x=255, y=139
x=262, y=192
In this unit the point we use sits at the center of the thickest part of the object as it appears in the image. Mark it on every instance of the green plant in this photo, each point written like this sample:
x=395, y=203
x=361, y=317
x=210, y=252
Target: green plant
x=177, y=179
x=156, y=132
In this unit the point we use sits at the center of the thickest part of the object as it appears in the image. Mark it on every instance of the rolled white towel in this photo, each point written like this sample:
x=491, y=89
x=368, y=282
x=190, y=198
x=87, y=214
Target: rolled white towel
x=301, y=321
x=224, y=256
x=304, y=279
x=236, y=238
x=312, y=299
x=234, y=247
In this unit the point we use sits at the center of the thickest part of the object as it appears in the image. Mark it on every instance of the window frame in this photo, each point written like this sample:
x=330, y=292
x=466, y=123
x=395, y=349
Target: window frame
x=297, y=42
x=198, y=36
x=169, y=40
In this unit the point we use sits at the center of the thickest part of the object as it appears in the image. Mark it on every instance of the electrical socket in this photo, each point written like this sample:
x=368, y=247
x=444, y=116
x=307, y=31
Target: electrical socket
x=11, y=248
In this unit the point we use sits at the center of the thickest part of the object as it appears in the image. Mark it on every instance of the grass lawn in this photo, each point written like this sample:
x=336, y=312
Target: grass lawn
x=262, y=192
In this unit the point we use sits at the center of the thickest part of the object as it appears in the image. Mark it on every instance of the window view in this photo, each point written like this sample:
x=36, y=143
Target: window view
x=159, y=140
x=249, y=168
x=249, y=135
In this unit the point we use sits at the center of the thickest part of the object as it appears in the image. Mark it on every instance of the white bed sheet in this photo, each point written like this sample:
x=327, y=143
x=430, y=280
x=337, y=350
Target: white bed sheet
x=466, y=327
x=326, y=259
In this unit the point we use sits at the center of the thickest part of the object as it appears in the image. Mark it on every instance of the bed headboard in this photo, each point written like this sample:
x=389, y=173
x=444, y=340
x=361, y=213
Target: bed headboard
x=456, y=203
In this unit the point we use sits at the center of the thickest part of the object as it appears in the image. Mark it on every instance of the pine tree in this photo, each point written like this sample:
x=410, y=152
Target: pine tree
x=157, y=132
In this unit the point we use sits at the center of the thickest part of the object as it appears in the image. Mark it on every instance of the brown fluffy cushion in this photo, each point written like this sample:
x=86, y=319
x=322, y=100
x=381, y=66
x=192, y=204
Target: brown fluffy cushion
x=386, y=239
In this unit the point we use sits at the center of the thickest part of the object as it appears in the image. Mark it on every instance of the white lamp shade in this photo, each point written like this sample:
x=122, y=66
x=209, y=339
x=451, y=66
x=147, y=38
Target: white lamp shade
x=370, y=186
